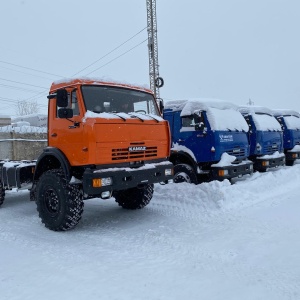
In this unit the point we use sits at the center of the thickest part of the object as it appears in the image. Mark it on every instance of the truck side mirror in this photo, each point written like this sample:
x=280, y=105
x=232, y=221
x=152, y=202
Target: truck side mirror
x=161, y=105
x=200, y=127
x=62, y=98
x=65, y=113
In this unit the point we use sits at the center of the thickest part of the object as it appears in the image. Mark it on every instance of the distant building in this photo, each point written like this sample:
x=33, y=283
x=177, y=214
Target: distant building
x=5, y=120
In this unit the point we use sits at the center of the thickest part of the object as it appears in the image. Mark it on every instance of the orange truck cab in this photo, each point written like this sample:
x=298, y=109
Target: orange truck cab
x=104, y=139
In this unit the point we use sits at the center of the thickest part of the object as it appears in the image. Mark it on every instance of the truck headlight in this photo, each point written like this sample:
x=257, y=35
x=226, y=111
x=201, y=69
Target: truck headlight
x=265, y=163
x=168, y=172
x=223, y=172
x=99, y=182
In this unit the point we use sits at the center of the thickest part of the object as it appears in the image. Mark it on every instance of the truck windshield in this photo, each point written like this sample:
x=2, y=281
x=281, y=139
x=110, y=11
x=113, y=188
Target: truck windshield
x=100, y=99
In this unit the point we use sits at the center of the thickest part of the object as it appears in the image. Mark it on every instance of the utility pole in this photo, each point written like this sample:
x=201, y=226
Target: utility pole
x=156, y=82
x=250, y=102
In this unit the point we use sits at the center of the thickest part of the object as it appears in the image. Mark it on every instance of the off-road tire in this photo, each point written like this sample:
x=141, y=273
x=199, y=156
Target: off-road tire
x=134, y=198
x=59, y=203
x=2, y=193
x=184, y=173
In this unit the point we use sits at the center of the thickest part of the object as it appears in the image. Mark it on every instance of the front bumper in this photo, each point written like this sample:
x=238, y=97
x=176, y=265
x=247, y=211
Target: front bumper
x=292, y=155
x=125, y=178
x=232, y=171
x=263, y=164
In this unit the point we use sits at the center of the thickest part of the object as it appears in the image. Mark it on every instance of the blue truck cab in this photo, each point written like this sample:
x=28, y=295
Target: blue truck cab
x=265, y=138
x=209, y=140
x=290, y=124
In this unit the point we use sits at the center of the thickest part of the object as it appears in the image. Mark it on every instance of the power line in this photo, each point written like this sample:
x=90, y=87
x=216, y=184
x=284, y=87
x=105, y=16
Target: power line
x=15, y=101
x=117, y=57
x=38, y=95
x=5, y=62
x=23, y=83
x=8, y=100
x=109, y=52
x=12, y=87
x=24, y=73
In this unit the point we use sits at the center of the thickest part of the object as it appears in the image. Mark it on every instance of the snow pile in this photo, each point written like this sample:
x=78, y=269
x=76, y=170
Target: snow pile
x=216, y=240
x=295, y=149
x=225, y=160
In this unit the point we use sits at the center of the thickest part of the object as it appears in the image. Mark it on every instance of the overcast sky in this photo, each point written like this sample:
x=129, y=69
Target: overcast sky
x=234, y=50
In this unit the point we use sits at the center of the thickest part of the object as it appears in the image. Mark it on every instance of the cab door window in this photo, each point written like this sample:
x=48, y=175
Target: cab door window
x=193, y=122
x=72, y=103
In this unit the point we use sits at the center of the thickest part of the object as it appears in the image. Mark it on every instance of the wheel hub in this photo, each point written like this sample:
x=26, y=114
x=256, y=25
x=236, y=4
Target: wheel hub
x=182, y=177
x=51, y=201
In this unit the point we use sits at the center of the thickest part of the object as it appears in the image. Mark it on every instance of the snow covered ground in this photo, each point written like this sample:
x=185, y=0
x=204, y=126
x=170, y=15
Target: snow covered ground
x=211, y=241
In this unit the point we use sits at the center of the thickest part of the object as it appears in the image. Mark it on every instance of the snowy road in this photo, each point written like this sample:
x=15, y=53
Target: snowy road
x=211, y=241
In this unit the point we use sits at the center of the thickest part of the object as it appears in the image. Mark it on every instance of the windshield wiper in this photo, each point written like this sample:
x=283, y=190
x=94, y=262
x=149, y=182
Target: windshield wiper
x=135, y=116
x=116, y=114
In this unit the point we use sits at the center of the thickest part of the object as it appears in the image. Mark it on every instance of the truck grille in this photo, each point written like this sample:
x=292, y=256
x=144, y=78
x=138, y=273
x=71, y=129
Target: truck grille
x=270, y=149
x=238, y=152
x=124, y=153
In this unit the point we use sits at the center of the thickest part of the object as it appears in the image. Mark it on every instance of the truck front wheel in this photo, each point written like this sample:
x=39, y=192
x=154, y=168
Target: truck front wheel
x=59, y=203
x=184, y=173
x=134, y=198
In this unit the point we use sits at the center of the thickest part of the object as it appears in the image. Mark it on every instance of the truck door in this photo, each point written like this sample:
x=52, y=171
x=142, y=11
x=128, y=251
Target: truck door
x=193, y=134
x=66, y=134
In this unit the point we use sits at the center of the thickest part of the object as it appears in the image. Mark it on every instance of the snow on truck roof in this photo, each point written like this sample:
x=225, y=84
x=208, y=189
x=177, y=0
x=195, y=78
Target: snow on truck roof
x=291, y=118
x=189, y=106
x=263, y=117
x=222, y=115
x=285, y=112
x=251, y=109
x=65, y=82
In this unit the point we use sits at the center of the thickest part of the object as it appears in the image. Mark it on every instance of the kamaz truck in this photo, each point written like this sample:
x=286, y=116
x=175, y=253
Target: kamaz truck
x=290, y=124
x=265, y=138
x=209, y=140
x=105, y=140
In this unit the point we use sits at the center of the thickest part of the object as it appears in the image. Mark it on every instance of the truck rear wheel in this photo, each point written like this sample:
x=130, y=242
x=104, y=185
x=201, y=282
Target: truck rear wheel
x=134, y=198
x=2, y=193
x=59, y=203
x=184, y=173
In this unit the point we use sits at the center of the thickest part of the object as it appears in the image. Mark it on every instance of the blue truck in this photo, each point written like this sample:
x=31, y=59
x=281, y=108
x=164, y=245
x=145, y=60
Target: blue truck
x=265, y=138
x=209, y=140
x=290, y=124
